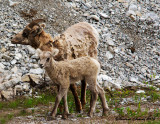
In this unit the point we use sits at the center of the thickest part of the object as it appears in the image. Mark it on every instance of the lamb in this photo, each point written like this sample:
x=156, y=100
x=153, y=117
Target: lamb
x=78, y=40
x=68, y=72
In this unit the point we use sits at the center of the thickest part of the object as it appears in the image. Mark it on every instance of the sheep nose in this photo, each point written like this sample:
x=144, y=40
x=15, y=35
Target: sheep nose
x=41, y=65
x=12, y=39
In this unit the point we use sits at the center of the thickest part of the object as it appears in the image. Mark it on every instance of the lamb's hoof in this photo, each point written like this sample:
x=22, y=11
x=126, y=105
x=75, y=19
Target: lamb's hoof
x=106, y=112
x=50, y=118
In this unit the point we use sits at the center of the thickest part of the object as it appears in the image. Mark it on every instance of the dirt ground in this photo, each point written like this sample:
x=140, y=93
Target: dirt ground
x=80, y=120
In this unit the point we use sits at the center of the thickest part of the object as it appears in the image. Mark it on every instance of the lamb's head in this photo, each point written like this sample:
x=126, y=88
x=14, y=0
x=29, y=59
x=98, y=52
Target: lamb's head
x=46, y=56
x=30, y=34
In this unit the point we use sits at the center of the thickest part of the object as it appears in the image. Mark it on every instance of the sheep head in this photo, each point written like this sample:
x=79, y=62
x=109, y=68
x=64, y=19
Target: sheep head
x=46, y=56
x=30, y=34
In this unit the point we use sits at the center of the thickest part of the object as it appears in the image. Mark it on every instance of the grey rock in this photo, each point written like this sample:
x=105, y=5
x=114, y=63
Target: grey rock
x=152, y=15
x=110, y=42
x=133, y=7
x=6, y=57
x=14, y=69
x=109, y=55
x=26, y=86
x=11, y=3
x=129, y=65
x=88, y=5
x=130, y=12
x=94, y=17
x=1, y=67
x=18, y=56
x=32, y=51
x=140, y=91
x=13, y=61
x=134, y=79
x=36, y=71
x=104, y=15
x=7, y=93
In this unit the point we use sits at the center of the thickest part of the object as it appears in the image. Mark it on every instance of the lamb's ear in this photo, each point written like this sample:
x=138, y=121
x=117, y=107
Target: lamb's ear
x=49, y=44
x=38, y=51
x=62, y=36
x=55, y=52
x=43, y=25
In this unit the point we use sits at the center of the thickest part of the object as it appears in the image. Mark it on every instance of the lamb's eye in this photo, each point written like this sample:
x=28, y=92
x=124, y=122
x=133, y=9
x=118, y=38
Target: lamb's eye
x=47, y=59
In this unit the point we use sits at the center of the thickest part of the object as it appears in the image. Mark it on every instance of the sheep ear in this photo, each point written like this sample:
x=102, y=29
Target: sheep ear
x=36, y=31
x=38, y=51
x=57, y=43
x=55, y=52
x=43, y=25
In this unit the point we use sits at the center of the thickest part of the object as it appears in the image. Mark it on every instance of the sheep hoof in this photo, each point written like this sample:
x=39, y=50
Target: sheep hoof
x=64, y=116
x=90, y=114
x=81, y=111
x=49, y=118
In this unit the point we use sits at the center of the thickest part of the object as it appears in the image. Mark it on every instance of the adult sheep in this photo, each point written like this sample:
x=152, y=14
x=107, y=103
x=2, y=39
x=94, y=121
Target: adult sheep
x=79, y=40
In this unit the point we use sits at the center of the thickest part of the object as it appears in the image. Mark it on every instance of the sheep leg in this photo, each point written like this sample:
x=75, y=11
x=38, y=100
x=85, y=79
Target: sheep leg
x=75, y=94
x=83, y=93
x=94, y=96
x=61, y=93
x=101, y=94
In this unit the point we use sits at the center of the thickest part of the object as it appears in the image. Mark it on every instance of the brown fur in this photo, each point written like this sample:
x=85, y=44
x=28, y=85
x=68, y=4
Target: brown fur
x=78, y=40
x=68, y=72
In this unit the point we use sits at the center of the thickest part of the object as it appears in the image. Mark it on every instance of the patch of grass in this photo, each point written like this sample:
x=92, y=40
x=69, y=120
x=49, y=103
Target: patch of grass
x=97, y=110
x=156, y=113
x=6, y=118
x=145, y=82
x=154, y=95
x=136, y=113
x=79, y=115
x=3, y=121
x=1, y=105
x=152, y=122
x=44, y=99
x=71, y=102
x=120, y=111
x=14, y=104
x=23, y=112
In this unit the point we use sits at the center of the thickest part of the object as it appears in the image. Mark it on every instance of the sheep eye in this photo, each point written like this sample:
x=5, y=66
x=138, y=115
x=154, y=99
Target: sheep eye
x=48, y=59
x=25, y=34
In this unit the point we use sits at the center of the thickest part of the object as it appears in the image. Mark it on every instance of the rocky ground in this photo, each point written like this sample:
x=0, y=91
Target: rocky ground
x=129, y=47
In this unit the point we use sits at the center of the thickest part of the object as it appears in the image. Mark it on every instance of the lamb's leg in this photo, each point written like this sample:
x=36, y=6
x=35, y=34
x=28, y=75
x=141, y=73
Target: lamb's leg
x=94, y=96
x=101, y=94
x=75, y=94
x=66, y=111
x=83, y=93
x=61, y=93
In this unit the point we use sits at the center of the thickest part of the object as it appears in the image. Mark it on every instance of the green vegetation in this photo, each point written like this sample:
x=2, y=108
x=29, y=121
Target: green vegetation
x=128, y=110
x=6, y=118
x=22, y=102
